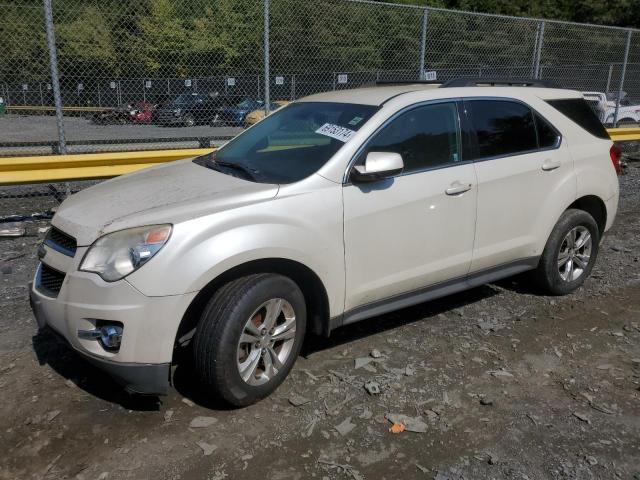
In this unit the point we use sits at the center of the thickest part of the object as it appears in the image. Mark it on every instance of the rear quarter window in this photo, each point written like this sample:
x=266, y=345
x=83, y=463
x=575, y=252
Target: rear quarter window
x=578, y=110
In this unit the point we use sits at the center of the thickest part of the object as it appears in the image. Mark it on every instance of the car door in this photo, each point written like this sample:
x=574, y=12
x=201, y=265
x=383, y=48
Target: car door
x=416, y=229
x=523, y=172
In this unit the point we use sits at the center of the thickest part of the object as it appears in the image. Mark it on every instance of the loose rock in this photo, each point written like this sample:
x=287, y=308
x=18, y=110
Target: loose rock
x=373, y=388
x=412, y=424
x=345, y=427
x=203, y=422
x=207, y=449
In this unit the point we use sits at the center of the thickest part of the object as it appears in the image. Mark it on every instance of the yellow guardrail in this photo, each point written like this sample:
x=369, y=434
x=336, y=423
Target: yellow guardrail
x=61, y=168
x=624, y=134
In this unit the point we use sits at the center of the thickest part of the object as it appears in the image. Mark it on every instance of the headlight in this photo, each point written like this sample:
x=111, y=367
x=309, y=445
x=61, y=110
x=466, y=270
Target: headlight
x=117, y=254
x=177, y=111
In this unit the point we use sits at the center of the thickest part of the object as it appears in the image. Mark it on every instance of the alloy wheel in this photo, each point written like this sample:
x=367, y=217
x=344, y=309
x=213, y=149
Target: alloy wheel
x=266, y=341
x=575, y=253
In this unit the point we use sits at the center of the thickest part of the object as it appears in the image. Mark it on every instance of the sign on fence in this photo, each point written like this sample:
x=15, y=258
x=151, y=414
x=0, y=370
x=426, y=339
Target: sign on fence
x=430, y=75
x=343, y=78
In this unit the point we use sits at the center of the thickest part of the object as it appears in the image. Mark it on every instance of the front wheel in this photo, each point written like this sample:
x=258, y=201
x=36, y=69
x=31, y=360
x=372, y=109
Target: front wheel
x=249, y=337
x=570, y=253
x=189, y=121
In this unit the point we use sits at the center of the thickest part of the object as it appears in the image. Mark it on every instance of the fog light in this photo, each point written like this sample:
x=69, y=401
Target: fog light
x=111, y=336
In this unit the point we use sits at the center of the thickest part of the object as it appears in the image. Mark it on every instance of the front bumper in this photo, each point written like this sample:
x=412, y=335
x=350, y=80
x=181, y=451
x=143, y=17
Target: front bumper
x=143, y=379
x=150, y=324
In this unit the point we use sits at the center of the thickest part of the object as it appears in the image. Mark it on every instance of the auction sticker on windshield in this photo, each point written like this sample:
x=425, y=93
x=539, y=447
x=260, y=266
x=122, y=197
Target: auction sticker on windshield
x=336, y=131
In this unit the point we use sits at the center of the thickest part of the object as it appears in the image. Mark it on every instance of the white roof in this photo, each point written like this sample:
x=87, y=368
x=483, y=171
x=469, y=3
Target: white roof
x=380, y=94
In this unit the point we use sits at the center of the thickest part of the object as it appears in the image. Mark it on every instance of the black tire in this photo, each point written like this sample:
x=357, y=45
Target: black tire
x=548, y=275
x=223, y=321
x=189, y=121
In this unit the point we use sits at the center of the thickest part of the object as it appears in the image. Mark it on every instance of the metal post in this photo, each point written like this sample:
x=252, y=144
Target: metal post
x=267, y=96
x=538, y=52
x=55, y=81
x=423, y=41
x=622, y=75
x=609, y=78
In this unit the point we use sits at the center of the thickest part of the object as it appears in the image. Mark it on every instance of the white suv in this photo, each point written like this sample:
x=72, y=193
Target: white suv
x=334, y=209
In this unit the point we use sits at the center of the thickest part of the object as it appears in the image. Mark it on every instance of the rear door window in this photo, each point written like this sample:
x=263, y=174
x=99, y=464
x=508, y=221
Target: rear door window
x=502, y=127
x=578, y=110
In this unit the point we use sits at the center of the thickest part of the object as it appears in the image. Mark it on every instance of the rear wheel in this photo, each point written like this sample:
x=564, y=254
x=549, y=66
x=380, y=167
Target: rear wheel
x=249, y=337
x=570, y=253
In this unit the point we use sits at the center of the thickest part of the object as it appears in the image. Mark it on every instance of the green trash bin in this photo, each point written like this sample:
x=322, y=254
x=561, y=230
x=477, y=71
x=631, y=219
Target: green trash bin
x=3, y=106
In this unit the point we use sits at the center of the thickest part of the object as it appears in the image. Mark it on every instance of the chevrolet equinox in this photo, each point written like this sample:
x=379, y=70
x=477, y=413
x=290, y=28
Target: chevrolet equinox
x=335, y=209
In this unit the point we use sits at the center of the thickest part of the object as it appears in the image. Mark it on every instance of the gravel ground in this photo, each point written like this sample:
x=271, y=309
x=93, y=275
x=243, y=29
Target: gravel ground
x=498, y=382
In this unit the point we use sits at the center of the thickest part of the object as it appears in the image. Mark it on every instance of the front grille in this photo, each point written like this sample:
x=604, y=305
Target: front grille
x=61, y=242
x=50, y=280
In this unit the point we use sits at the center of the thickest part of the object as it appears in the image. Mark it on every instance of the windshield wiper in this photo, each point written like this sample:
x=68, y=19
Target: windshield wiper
x=248, y=172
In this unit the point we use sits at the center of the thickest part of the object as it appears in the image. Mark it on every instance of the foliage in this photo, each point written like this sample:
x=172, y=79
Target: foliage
x=106, y=39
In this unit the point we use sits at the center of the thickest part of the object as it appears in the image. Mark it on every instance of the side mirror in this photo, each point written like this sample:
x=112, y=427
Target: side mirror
x=377, y=166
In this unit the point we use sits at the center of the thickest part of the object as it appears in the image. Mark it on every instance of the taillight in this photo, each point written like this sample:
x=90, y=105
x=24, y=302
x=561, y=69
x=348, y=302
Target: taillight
x=616, y=155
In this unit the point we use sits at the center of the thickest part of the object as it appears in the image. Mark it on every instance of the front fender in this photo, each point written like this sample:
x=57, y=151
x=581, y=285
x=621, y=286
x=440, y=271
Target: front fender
x=199, y=250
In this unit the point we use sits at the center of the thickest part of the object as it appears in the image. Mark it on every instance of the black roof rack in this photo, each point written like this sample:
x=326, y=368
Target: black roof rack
x=407, y=82
x=494, y=81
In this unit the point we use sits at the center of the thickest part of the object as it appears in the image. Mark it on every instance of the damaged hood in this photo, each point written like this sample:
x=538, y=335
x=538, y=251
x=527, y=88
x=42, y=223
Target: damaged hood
x=169, y=193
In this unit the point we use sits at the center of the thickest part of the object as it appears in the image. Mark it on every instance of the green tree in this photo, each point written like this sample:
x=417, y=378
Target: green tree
x=86, y=45
x=160, y=39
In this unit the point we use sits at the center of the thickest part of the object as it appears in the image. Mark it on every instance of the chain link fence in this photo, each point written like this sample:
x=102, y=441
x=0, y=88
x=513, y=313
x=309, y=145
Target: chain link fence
x=156, y=74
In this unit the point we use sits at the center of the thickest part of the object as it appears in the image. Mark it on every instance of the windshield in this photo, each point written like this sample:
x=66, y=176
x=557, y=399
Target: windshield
x=293, y=142
x=184, y=99
x=248, y=103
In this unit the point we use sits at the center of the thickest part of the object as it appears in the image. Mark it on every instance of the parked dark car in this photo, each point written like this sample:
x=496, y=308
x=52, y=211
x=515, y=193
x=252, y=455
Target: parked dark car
x=138, y=112
x=188, y=109
x=235, y=114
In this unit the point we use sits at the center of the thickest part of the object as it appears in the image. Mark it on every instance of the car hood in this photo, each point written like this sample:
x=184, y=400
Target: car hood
x=168, y=193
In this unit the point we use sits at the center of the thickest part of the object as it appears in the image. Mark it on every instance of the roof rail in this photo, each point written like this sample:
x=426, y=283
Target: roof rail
x=408, y=82
x=495, y=81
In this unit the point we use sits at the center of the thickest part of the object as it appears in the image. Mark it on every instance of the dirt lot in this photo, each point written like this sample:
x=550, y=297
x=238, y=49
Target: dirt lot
x=499, y=382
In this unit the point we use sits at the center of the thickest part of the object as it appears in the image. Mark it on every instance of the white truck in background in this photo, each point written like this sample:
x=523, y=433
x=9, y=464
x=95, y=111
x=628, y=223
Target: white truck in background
x=604, y=104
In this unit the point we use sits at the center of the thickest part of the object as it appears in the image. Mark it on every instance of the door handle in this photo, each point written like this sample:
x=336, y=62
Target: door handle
x=457, y=188
x=549, y=165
